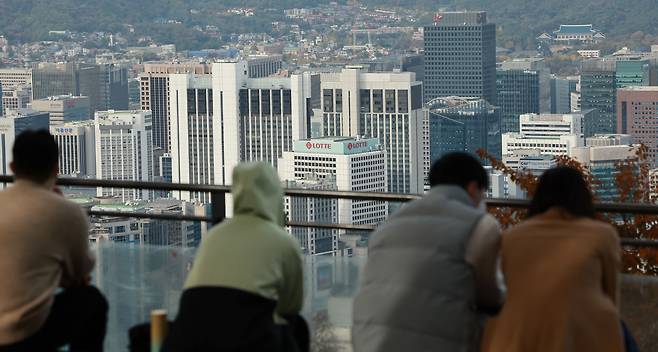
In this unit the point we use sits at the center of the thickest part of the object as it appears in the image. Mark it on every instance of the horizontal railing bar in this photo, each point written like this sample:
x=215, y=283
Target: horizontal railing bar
x=646, y=209
x=638, y=242
x=624, y=241
x=349, y=195
x=331, y=226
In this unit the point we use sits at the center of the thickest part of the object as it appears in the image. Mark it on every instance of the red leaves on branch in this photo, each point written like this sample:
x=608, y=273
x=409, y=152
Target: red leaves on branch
x=632, y=180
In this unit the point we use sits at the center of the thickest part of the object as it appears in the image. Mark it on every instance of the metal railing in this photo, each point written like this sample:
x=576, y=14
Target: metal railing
x=218, y=203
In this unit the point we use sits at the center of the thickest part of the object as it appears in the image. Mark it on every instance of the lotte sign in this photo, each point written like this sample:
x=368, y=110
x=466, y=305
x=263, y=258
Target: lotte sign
x=357, y=145
x=310, y=145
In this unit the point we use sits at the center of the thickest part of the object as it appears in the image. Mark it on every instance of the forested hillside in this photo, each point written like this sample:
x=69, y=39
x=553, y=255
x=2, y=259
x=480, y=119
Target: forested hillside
x=519, y=20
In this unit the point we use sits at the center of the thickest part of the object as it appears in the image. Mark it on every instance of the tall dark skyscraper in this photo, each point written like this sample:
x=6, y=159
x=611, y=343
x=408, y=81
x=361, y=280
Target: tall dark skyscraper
x=561, y=89
x=518, y=93
x=598, y=87
x=460, y=56
x=106, y=85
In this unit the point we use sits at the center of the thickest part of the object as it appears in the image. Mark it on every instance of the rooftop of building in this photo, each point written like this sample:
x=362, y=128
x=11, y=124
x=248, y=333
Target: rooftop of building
x=23, y=112
x=122, y=207
x=337, y=145
x=548, y=117
x=641, y=88
x=63, y=97
x=575, y=29
x=121, y=113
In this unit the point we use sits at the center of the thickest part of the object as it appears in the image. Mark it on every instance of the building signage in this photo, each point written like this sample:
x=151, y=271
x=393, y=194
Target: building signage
x=355, y=145
x=340, y=146
x=310, y=145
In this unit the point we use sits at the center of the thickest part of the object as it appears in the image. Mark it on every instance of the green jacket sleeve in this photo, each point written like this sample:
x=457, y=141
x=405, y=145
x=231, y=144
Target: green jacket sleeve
x=292, y=290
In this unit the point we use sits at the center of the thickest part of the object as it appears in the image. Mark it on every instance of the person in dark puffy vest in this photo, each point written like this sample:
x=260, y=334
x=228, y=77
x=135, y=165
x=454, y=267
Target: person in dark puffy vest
x=432, y=270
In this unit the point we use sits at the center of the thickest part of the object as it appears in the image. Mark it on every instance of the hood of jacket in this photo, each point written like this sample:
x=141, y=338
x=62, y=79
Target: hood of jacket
x=257, y=191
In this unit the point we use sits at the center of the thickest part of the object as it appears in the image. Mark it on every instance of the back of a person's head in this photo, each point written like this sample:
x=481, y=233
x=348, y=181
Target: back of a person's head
x=35, y=156
x=565, y=188
x=458, y=169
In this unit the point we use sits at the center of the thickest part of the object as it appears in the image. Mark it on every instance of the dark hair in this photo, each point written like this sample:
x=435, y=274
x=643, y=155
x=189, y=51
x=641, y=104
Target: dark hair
x=35, y=155
x=458, y=168
x=562, y=187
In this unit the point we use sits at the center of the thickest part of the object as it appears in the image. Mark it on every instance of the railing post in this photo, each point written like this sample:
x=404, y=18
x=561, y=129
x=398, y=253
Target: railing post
x=218, y=206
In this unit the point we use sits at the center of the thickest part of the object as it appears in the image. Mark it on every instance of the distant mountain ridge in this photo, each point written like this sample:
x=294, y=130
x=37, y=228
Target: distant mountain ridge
x=520, y=21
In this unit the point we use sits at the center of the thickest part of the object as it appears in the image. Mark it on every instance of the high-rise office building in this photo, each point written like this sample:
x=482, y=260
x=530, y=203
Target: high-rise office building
x=13, y=124
x=637, y=115
x=387, y=106
x=77, y=148
x=124, y=150
x=259, y=66
x=1, y=102
x=518, y=93
x=106, y=85
x=633, y=72
x=64, y=108
x=154, y=95
x=11, y=78
x=561, y=89
x=460, y=56
x=154, y=89
x=18, y=97
x=114, y=87
x=49, y=79
x=548, y=133
x=601, y=162
x=598, y=91
x=354, y=164
x=313, y=241
x=273, y=113
x=196, y=138
x=538, y=65
x=462, y=124
x=221, y=119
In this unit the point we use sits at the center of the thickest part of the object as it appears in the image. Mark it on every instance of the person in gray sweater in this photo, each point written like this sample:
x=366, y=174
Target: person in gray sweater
x=432, y=270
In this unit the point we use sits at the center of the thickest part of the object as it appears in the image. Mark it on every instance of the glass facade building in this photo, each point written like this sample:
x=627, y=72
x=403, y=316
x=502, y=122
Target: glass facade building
x=463, y=124
x=460, y=57
x=518, y=93
x=598, y=86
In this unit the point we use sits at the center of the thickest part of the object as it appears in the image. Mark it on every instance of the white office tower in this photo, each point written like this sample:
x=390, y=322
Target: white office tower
x=549, y=133
x=196, y=134
x=124, y=150
x=313, y=240
x=354, y=164
x=387, y=106
x=220, y=120
x=77, y=148
x=13, y=124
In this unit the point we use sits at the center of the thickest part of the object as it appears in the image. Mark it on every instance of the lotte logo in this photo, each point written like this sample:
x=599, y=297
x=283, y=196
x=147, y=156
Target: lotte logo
x=357, y=145
x=309, y=145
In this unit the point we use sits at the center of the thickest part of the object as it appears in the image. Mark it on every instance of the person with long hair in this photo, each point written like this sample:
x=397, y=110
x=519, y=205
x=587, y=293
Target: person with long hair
x=561, y=268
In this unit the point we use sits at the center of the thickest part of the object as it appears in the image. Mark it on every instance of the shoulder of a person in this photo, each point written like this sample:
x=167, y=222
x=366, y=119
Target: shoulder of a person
x=489, y=221
x=64, y=208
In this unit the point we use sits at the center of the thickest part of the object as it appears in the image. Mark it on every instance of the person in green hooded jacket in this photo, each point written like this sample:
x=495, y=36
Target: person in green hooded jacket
x=245, y=289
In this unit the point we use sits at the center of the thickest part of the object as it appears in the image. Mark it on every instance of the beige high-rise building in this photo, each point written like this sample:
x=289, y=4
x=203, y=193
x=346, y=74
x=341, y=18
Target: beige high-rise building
x=11, y=78
x=154, y=95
